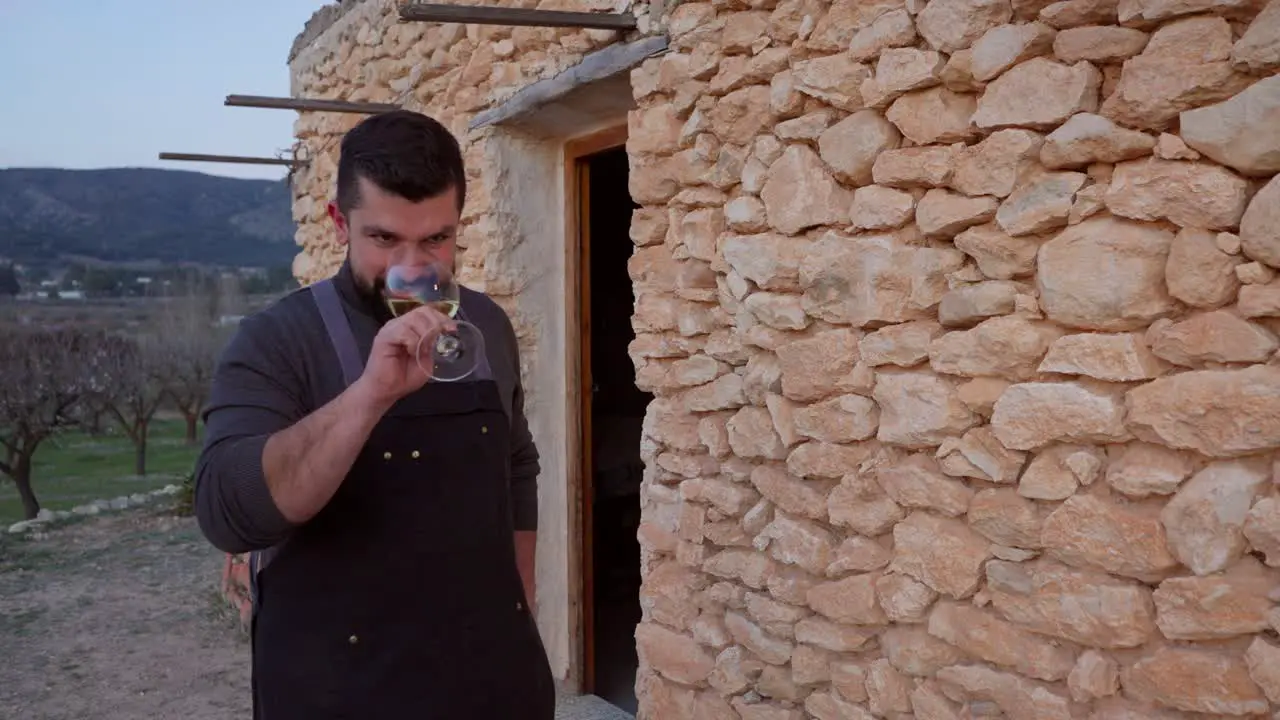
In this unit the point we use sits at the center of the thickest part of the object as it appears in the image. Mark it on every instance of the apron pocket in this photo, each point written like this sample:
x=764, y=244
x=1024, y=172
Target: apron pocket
x=312, y=668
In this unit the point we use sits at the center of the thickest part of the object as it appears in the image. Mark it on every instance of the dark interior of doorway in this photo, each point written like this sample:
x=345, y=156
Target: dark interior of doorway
x=616, y=416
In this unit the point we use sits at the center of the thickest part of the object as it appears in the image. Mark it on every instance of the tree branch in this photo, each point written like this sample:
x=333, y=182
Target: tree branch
x=119, y=416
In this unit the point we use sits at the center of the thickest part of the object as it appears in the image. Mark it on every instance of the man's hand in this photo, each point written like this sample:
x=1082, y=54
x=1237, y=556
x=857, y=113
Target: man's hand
x=392, y=370
x=305, y=463
x=526, y=552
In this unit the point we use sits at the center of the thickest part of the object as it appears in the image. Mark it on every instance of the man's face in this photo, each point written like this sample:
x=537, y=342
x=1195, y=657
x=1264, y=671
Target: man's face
x=386, y=229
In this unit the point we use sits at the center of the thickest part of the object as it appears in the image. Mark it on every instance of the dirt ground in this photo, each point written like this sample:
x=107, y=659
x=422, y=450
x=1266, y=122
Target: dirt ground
x=118, y=617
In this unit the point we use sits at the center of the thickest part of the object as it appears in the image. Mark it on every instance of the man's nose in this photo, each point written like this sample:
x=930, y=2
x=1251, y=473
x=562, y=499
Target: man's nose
x=419, y=255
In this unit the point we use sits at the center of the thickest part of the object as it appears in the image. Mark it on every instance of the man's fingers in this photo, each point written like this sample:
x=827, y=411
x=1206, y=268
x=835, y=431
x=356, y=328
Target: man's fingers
x=410, y=339
x=426, y=324
x=438, y=318
x=417, y=330
x=423, y=325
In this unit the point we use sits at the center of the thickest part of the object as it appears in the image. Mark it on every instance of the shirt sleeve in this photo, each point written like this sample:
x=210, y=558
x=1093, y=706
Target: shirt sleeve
x=525, y=461
x=255, y=392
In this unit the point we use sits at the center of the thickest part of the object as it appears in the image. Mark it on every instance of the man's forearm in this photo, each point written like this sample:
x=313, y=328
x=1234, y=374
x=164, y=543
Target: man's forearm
x=306, y=463
x=526, y=559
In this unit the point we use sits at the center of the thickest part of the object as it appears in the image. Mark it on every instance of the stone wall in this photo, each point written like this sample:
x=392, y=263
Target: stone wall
x=962, y=316
x=963, y=320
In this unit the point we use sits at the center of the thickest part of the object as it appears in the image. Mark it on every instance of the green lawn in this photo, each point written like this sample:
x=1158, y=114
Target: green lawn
x=74, y=468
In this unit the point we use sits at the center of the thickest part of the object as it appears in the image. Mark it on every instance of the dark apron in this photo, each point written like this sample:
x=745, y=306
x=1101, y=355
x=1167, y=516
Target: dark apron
x=402, y=598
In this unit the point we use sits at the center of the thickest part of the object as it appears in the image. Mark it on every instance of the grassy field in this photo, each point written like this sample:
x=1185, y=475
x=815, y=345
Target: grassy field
x=74, y=468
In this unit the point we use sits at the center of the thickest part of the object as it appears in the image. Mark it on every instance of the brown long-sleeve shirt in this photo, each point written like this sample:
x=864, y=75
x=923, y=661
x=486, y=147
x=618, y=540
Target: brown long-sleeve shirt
x=279, y=367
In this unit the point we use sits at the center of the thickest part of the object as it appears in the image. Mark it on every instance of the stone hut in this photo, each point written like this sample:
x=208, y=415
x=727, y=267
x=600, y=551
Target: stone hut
x=888, y=358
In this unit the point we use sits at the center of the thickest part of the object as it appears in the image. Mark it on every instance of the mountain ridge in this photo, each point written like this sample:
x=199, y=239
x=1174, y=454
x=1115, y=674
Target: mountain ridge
x=144, y=215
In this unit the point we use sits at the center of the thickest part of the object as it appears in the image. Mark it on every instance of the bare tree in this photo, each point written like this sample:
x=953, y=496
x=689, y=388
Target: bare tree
x=130, y=387
x=188, y=372
x=44, y=375
x=188, y=345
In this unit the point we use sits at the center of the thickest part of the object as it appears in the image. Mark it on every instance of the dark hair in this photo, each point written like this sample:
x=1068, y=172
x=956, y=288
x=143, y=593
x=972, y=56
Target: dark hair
x=402, y=152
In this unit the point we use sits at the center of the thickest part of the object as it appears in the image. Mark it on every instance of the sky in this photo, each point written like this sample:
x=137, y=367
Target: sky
x=113, y=83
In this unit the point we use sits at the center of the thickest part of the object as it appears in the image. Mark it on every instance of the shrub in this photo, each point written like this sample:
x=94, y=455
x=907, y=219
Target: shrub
x=185, y=506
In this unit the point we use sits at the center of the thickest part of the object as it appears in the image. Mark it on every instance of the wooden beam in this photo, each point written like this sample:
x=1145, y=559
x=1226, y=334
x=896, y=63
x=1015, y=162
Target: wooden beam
x=599, y=65
x=487, y=15
x=236, y=159
x=308, y=104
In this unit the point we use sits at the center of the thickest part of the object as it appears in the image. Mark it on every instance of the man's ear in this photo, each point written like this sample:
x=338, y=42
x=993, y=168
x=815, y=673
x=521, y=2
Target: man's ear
x=339, y=223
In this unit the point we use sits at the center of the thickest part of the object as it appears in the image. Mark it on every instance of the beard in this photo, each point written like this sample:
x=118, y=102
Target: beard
x=371, y=292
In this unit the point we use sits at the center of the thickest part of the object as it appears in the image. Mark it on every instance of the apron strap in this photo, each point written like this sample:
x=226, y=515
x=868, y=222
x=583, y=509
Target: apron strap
x=340, y=335
x=344, y=343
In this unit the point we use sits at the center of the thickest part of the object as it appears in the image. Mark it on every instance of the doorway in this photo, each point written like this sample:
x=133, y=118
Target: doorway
x=611, y=414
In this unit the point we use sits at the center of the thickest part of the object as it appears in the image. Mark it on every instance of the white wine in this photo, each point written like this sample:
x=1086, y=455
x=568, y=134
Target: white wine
x=402, y=305
x=399, y=305
x=445, y=307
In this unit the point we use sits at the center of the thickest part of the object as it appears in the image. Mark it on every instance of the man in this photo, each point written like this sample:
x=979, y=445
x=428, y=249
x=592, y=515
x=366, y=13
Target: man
x=392, y=519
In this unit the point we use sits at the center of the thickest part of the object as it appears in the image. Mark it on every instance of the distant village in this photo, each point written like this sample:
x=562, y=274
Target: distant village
x=84, y=281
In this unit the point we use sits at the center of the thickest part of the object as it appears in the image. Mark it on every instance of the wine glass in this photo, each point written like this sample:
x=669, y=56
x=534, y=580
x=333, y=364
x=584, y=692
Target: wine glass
x=456, y=354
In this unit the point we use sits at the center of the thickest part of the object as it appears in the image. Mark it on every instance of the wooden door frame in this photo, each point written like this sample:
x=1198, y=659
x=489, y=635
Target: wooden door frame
x=578, y=401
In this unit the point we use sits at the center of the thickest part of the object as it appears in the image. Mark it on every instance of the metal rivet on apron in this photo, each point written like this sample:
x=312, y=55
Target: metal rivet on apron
x=386, y=456
x=519, y=605
x=415, y=454
x=484, y=429
x=353, y=639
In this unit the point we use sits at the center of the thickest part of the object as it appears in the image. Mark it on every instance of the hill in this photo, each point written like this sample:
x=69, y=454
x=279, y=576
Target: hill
x=143, y=216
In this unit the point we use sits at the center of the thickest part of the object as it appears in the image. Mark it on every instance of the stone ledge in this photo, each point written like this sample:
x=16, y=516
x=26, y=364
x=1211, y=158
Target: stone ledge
x=599, y=65
x=587, y=707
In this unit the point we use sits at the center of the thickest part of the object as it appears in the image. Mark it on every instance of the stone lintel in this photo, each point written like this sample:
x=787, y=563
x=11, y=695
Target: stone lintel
x=599, y=65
